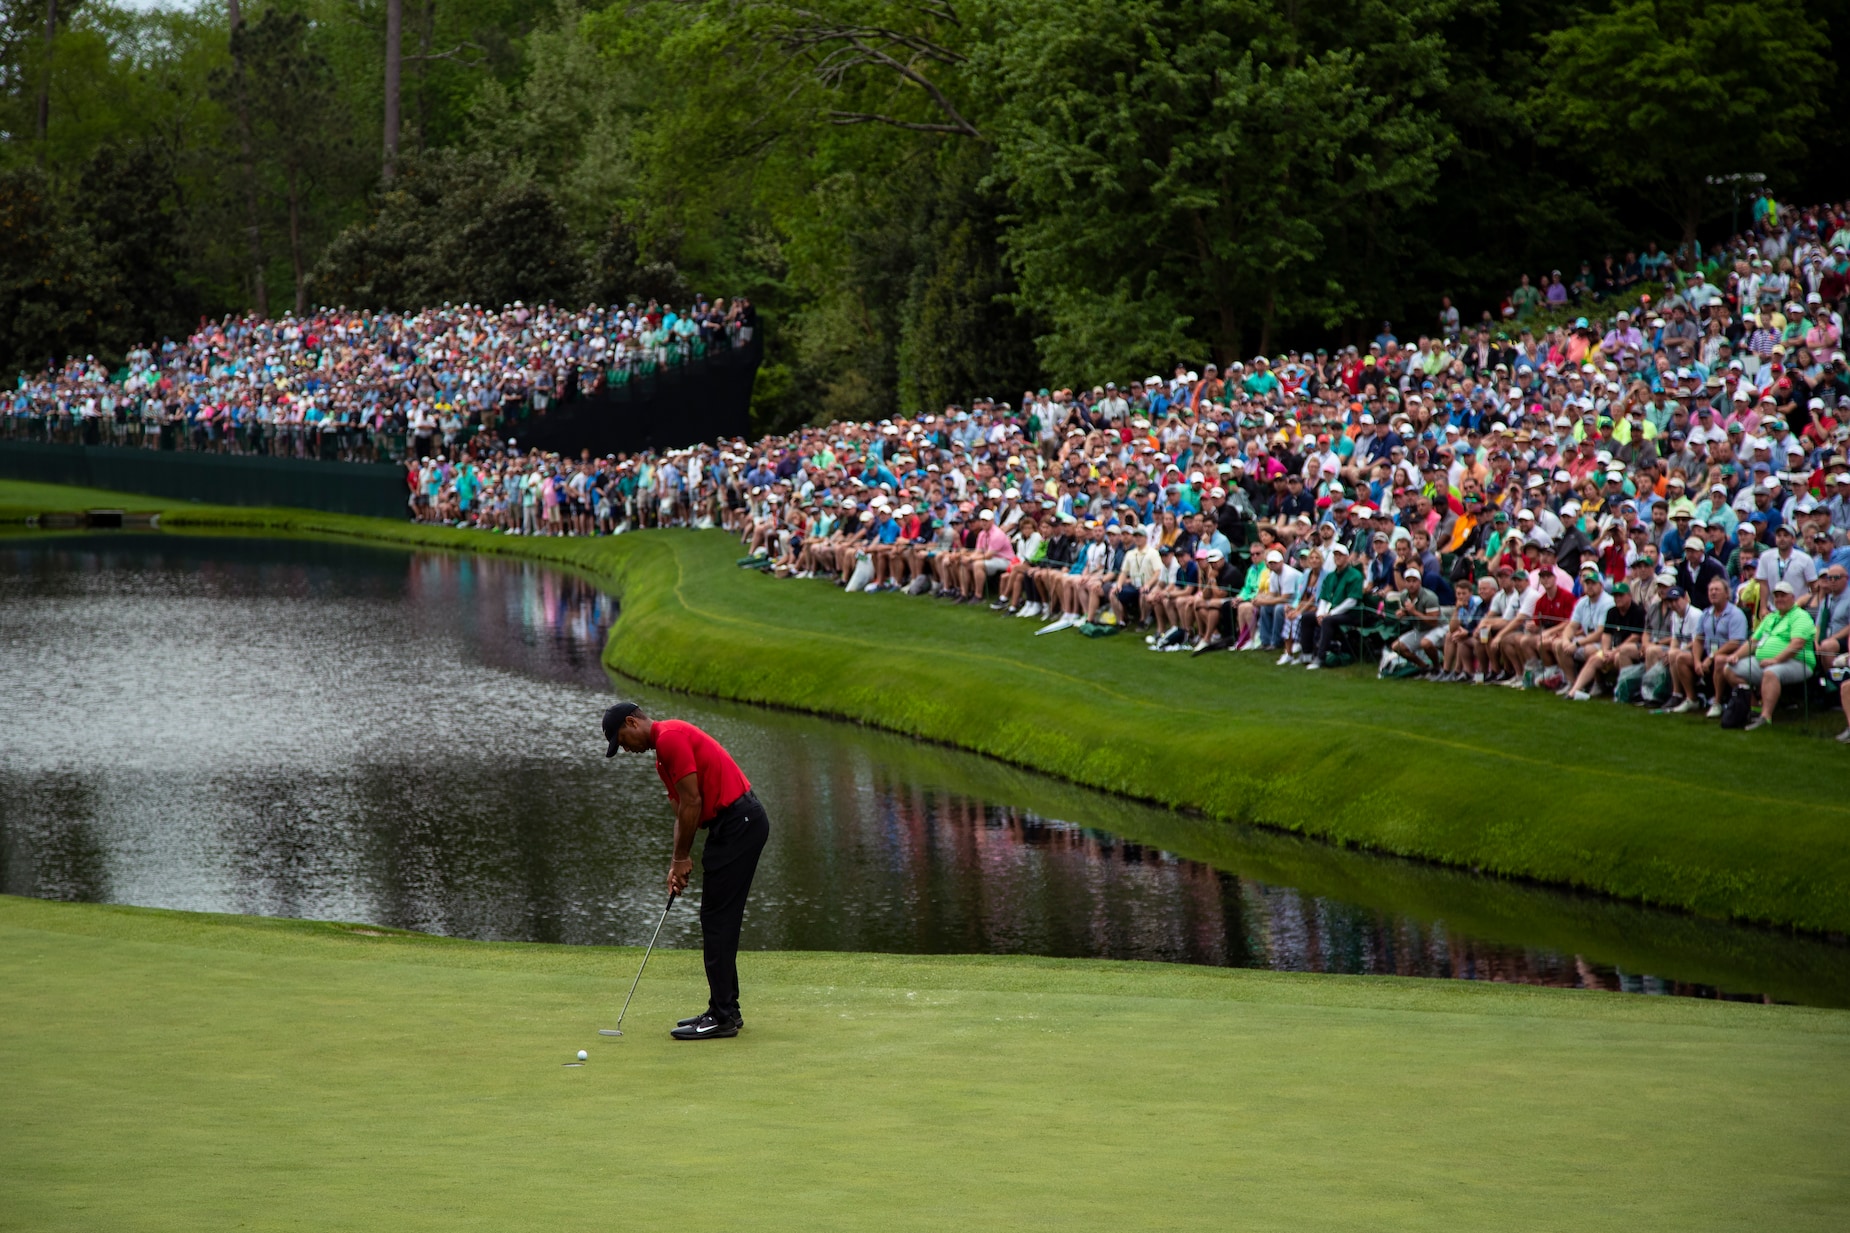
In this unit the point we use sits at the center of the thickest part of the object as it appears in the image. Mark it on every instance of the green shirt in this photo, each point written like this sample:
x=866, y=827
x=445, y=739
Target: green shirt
x=1778, y=629
x=1345, y=583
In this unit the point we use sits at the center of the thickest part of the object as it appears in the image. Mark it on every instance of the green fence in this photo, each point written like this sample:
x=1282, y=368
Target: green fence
x=377, y=489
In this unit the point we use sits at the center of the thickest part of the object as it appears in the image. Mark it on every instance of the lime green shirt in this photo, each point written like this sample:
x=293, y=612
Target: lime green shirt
x=1778, y=629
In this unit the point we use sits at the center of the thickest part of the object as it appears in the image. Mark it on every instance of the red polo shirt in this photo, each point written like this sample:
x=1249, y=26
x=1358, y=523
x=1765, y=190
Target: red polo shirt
x=681, y=750
x=1554, y=607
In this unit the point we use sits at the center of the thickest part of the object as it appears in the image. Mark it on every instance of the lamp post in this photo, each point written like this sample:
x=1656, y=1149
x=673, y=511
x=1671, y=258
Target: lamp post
x=1734, y=180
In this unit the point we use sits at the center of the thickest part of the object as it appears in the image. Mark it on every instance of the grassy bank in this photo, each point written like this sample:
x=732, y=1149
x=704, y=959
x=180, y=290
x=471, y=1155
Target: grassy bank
x=1660, y=810
x=166, y=1071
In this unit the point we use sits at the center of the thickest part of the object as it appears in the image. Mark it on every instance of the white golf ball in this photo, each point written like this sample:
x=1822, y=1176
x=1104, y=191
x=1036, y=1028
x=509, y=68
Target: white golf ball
x=582, y=1055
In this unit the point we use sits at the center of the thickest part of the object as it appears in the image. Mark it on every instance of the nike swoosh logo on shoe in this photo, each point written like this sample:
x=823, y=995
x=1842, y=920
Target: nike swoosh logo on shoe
x=711, y=1027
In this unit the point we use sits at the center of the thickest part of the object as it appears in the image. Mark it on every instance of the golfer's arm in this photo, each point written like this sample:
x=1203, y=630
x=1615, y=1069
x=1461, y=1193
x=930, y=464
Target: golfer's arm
x=686, y=815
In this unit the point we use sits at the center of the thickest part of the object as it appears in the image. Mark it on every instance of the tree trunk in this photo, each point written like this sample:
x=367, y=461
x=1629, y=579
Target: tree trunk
x=1229, y=348
x=1226, y=348
x=295, y=242
x=394, y=56
x=260, y=288
x=426, y=32
x=1265, y=323
x=51, y=37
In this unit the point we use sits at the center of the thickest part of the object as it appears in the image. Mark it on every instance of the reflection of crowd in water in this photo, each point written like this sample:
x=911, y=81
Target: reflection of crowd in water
x=543, y=606
x=1193, y=912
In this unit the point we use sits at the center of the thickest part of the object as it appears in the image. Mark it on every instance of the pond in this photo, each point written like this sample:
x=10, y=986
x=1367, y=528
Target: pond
x=333, y=731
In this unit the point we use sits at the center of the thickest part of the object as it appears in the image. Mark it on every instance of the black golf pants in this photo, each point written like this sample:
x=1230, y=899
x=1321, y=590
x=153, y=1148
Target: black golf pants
x=735, y=839
x=1315, y=636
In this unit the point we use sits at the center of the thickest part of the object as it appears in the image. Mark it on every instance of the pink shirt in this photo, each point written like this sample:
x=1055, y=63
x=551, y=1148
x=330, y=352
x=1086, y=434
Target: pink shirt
x=994, y=542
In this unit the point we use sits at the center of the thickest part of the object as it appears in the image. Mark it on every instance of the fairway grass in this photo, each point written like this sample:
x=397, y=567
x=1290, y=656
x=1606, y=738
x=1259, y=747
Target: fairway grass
x=1663, y=810
x=166, y=1071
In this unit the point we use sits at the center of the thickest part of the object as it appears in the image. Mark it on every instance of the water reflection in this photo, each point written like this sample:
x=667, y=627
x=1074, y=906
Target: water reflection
x=331, y=731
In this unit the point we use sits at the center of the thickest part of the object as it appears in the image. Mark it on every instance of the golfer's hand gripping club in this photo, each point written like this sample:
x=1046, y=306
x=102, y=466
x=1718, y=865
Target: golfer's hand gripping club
x=687, y=811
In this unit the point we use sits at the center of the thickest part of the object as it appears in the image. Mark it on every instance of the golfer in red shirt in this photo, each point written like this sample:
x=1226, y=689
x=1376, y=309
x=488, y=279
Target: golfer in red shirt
x=709, y=793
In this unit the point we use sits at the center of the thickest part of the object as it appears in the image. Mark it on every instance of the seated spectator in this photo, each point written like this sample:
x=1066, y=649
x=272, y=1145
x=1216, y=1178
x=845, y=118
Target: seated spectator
x=1779, y=654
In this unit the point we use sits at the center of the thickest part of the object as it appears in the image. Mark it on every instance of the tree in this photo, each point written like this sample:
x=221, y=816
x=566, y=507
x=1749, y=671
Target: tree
x=51, y=276
x=1658, y=95
x=394, y=66
x=960, y=333
x=231, y=87
x=1179, y=169
x=298, y=122
x=620, y=269
x=127, y=204
x=452, y=227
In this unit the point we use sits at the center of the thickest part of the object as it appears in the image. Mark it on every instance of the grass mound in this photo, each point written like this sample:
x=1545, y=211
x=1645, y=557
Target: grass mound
x=1662, y=810
x=166, y=1071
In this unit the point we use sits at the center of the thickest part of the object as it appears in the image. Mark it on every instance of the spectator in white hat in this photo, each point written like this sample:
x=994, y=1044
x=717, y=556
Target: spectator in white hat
x=1778, y=655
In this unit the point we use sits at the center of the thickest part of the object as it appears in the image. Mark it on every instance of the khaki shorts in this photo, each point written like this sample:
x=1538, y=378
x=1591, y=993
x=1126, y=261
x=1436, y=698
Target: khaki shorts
x=1792, y=672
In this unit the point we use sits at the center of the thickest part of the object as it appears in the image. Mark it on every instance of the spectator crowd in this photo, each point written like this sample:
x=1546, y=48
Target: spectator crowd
x=1632, y=485
x=364, y=386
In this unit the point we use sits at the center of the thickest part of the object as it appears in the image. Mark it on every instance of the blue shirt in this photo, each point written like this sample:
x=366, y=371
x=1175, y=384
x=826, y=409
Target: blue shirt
x=1718, y=631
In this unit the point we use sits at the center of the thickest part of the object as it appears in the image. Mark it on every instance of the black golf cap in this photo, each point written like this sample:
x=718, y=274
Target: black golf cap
x=613, y=719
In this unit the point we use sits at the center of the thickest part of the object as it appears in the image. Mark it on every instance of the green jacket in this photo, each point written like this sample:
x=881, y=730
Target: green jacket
x=1345, y=583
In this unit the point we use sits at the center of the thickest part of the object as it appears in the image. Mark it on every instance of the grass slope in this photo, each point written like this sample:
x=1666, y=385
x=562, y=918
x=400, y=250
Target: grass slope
x=1661, y=810
x=165, y=1071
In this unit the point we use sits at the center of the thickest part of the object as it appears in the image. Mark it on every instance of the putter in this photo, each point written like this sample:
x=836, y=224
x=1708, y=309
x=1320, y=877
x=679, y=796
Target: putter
x=618, y=1030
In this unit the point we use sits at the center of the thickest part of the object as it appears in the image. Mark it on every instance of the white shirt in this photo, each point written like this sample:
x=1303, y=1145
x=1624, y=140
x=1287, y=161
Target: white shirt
x=1589, y=616
x=1288, y=581
x=1798, y=569
x=1142, y=566
x=1681, y=630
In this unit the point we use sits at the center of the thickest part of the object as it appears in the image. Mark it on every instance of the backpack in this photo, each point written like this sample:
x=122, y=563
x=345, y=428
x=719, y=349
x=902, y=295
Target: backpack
x=1738, y=708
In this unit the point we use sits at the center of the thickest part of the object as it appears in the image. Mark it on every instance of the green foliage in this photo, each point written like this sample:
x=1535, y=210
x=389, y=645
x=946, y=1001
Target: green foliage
x=926, y=199
x=619, y=269
x=450, y=227
x=50, y=276
x=1182, y=170
x=300, y=130
x=960, y=331
x=90, y=269
x=128, y=203
x=1657, y=95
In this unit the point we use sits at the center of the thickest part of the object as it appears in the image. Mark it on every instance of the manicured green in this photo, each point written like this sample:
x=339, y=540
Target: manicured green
x=1662, y=810
x=166, y=1071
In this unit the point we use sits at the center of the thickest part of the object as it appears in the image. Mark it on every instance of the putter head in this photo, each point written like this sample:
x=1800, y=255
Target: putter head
x=610, y=1031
